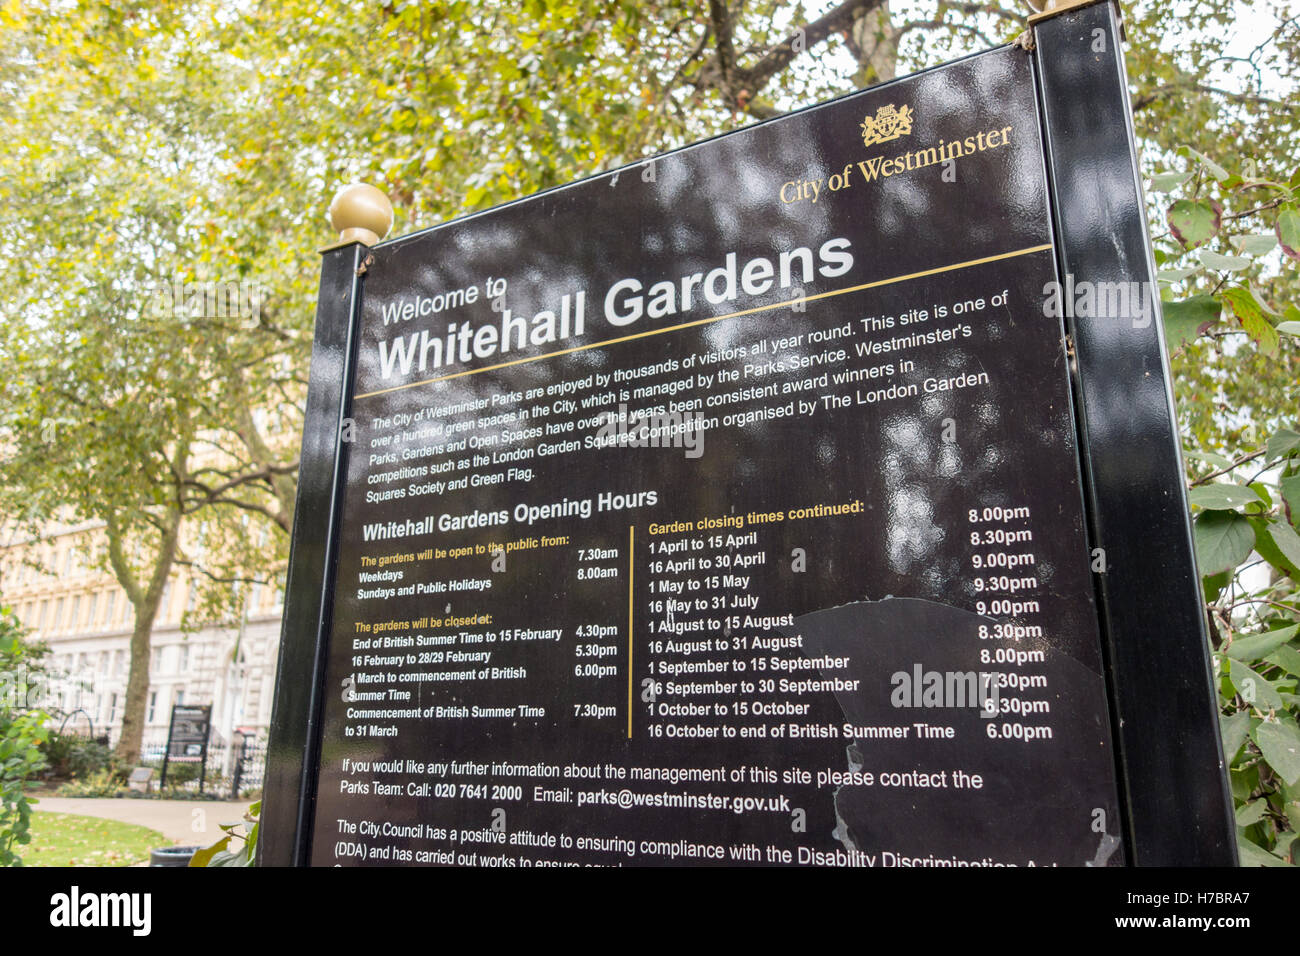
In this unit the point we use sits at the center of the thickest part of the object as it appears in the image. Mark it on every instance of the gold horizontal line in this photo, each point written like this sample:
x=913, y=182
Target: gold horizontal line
x=717, y=318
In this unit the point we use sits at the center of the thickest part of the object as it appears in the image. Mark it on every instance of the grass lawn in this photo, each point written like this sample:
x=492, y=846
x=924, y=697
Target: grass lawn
x=66, y=839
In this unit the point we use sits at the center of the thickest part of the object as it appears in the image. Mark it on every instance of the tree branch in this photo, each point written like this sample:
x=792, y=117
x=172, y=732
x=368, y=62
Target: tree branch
x=777, y=58
x=1182, y=86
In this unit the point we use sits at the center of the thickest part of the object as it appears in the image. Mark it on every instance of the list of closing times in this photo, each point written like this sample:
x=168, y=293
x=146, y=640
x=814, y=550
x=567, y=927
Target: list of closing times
x=727, y=510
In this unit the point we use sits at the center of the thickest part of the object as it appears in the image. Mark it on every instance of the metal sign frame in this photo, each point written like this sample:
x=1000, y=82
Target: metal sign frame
x=1176, y=806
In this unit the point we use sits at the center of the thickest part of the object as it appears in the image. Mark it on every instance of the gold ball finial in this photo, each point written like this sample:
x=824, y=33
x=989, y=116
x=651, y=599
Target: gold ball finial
x=361, y=213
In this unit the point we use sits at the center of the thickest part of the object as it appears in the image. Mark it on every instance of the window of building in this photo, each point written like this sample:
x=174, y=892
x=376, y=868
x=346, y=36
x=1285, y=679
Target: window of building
x=75, y=613
x=155, y=660
x=90, y=611
x=67, y=562
x=110, y=599
x=152, y=713
x=119, y=663
x=40, y=615
x=185, y=659
x=112, y=707
x=57, y=623
x=179, y=699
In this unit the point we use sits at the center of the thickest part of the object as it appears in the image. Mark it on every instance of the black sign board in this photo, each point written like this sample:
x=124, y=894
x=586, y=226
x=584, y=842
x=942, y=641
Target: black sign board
x=187, y=739
x=761, y=503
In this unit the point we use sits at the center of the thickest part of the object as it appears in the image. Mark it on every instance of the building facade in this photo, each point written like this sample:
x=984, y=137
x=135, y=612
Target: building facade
x=67, y=600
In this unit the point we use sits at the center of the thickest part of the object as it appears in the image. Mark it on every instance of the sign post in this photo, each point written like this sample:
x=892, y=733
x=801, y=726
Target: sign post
x=187, y=739
x=781, y=499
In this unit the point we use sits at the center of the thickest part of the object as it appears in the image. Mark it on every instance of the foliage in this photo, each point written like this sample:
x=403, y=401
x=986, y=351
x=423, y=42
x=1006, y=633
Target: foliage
x=245, y=847
x=101, y=783
x=20, y=758
x=180, y=774
x=1229, y=268
x=153, y=388
x=67, y=839
x=70, y=756
x=150, y=143
x=22, y=731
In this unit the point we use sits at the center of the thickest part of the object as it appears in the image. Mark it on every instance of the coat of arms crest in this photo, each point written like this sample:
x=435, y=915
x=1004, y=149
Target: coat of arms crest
x=888, y=123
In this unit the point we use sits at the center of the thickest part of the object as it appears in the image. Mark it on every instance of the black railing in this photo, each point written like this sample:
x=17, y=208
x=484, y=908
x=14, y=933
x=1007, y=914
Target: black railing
x=230, y=774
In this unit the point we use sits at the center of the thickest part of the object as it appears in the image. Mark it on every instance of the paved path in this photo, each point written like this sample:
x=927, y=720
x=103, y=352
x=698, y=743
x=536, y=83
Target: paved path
x=190, y=822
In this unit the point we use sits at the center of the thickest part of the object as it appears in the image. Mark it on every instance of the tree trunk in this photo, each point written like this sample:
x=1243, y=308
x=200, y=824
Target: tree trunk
x=874, y=41
x=283, y=486
x=145, y=601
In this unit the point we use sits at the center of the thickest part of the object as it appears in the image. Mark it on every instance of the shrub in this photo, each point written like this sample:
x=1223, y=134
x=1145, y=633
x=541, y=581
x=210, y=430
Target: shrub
x=70, y=756
x=101, y=783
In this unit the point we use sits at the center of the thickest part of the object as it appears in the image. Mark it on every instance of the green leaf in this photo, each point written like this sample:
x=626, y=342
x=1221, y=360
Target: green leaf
x=1234, y=730
x=230, y=858
x=1218, y=461
x=1167, y=182
x=1282, y=443
x=1288, y=232
x=1266, y=546
x=1220, y=263
x=1291, y=492
x=1255, y=245
x=1221, y=496
x=1252, y=647
x=1193, y=221
x=1213, y=168
x=1251, y=854
x=1261, y=300
x=1254, y=690
x=1250, y=315
x=1212, y=585
x=1188, y=318
x=1289, y=327
x=1251, y=813
x=1261, y=489
x=1279, y=742
x=204, y=857
x=1287, y=658
x=1287, y=541
x=1177, y=275
x=1244, y=782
